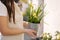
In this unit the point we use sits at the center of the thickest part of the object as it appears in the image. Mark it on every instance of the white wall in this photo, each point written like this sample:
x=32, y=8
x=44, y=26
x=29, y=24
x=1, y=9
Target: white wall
x=53, y=16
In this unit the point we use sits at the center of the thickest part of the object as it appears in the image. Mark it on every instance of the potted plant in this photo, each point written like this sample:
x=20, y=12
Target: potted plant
x=34, y=17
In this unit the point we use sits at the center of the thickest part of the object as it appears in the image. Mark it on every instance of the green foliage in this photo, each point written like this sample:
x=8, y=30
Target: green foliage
x=34, y=15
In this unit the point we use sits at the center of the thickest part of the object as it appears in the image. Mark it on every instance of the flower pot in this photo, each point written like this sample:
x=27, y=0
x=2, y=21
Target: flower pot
x=34, y=26
x=37, y=27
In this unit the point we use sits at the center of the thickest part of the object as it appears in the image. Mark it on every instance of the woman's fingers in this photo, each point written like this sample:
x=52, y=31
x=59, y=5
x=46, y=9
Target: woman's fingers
x=34, y=32
x=31, y=32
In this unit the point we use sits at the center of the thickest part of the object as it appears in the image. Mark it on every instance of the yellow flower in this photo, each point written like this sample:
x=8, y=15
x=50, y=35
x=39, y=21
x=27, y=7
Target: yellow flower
x=31, y=5
x=34, y=14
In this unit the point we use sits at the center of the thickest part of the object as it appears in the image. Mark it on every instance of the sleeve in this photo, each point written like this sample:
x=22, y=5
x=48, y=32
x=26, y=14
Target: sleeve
x=3, y=10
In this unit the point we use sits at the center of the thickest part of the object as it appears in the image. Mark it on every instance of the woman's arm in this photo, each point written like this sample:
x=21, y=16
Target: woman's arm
x=5, y=30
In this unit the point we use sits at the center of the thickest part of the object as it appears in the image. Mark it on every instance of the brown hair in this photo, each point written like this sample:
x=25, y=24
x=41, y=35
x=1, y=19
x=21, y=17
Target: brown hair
x=10, y=8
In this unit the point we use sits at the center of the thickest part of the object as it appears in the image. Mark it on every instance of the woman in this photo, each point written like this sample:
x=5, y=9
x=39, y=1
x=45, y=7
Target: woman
x=11, y=22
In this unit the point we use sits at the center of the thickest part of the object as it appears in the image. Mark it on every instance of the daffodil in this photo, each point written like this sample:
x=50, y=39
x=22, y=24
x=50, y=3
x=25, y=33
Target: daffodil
x=34, y=15
x=31, y=5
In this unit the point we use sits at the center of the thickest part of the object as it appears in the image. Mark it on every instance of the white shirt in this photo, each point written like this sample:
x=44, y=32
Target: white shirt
x=3, y=10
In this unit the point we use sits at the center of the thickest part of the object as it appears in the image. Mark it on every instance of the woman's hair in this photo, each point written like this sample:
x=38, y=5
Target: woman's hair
x=10, y=8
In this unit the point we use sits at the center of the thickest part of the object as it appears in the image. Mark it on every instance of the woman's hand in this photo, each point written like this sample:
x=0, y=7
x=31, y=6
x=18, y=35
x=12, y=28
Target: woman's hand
x=25, y=24
x=31, y=32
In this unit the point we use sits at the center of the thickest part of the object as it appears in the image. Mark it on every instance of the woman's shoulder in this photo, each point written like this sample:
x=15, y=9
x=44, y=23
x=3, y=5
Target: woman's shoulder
x=3, y=9
x=2, y=5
